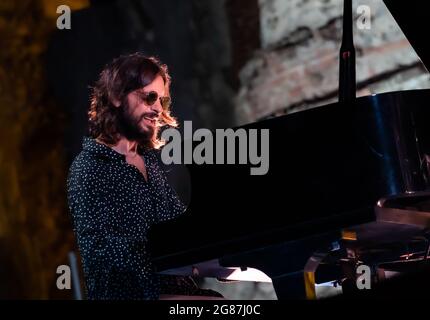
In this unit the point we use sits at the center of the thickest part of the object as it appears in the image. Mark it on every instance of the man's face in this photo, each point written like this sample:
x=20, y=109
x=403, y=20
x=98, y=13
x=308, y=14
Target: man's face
x=140, y=118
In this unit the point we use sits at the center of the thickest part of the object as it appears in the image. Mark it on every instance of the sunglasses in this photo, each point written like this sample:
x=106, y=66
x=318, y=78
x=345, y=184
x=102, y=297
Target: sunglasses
x=151, y=97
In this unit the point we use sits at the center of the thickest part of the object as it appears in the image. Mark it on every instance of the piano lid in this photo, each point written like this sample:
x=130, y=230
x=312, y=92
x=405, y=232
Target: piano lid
x=413, y=17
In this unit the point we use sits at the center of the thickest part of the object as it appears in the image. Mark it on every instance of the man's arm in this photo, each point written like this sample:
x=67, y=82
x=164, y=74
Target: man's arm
x=116, y=266
x=168, y=198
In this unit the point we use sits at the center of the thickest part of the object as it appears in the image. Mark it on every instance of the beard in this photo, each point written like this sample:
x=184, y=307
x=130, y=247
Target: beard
x=130, y=128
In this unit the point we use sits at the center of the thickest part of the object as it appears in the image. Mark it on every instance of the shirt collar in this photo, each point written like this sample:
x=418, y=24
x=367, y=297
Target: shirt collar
x=100, y=150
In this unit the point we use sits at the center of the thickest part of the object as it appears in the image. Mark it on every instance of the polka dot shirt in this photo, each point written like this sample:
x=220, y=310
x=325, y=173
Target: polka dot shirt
x=112, y=208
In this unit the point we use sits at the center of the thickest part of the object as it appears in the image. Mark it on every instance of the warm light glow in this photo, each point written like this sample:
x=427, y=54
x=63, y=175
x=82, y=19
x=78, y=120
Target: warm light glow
x=50, y=6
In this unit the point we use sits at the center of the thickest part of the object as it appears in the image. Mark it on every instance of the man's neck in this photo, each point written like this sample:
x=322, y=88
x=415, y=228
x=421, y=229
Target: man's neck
x=126, y=147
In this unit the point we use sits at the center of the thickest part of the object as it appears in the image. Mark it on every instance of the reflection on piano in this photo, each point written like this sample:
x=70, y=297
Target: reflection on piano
x=333, y=198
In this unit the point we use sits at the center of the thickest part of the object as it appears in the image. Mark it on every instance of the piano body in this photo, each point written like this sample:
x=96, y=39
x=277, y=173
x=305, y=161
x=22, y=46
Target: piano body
x=339, y=177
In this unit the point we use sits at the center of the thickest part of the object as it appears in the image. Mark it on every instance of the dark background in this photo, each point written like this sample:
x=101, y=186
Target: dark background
x=46, y=76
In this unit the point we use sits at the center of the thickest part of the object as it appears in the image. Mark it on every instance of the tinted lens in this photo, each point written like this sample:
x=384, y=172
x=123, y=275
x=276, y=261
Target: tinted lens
x=165, y=102
x=151, y=97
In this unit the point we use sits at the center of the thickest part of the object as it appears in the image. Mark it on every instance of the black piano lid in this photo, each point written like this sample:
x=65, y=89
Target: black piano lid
x=413, y=17
x=307, y=150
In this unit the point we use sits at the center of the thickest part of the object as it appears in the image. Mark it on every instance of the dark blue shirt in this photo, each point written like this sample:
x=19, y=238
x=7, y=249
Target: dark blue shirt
x=113, y=207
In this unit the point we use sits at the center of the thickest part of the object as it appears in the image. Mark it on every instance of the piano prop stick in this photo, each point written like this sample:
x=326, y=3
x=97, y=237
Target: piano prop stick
x=347, y=80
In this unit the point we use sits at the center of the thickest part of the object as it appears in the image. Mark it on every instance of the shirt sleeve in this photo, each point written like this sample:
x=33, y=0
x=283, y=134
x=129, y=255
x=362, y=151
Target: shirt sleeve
x=169, y=204
x=115, y=266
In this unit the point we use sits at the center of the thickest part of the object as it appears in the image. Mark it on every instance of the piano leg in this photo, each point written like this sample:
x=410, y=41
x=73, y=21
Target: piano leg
x=310, y=270
x=301, y=284
x=285, y=263
x=290, y=286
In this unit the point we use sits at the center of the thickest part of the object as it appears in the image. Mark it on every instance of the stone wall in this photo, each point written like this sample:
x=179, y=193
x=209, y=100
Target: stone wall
x=297, y=65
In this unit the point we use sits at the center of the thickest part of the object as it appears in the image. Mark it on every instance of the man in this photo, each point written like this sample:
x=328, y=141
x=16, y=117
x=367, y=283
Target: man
x=116, y=189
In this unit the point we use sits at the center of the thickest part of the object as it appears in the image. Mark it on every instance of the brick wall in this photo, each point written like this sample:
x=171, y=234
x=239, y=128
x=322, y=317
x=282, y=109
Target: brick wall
x=297, y=65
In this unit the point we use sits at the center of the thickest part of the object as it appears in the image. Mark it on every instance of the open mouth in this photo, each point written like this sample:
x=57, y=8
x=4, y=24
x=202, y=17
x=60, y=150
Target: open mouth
x=151, y=120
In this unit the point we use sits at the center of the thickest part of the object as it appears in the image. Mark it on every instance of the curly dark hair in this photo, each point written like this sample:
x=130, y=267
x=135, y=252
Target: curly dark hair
x=123, y=75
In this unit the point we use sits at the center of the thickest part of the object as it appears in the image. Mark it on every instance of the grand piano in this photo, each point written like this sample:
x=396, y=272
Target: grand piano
x=348, y=175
